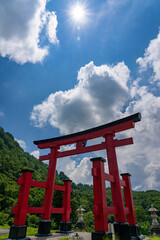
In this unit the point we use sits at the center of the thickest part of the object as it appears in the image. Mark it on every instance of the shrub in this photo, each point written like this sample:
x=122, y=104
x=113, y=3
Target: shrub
x=3, y=218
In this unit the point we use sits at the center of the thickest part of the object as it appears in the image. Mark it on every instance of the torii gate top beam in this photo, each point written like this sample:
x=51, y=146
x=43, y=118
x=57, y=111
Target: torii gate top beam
x=101, y=131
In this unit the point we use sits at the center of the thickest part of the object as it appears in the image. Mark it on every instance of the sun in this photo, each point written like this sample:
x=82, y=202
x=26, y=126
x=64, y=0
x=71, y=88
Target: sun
x=78, y=13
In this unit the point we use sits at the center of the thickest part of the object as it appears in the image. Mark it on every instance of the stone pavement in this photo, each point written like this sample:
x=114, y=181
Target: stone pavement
x=56, y=236
x=4, y=231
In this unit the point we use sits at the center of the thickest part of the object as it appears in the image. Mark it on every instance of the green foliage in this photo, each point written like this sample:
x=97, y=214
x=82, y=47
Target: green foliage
x=89, y=221
x=145, y=227
x=13, y=159
x=140, y=214
x=3, y=218
x=11, y=221
x=32, y=220
x=54, y=225
x=62, y=176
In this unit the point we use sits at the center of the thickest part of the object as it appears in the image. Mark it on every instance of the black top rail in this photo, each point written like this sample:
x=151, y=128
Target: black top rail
x=135, y=117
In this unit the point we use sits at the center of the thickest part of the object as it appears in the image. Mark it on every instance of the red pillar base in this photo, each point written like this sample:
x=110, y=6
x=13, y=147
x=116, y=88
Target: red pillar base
x=65, y=227
x=101, y=235
x=18, y=232
x=44, y=228
x=122, y=231
x=135, y=235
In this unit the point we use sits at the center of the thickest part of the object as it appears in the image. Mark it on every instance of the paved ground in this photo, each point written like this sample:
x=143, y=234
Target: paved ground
x=56, y=236
x=4, y=231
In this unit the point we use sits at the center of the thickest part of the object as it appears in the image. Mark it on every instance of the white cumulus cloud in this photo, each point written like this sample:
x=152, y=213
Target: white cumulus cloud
x=35, y=153
x=151, y=58
x=51, y=28
x=82, y=173
x=21, y=23
x=66, y=165
x=21, y=143
x=98, y=97
x=142, y=158
x=79, y=173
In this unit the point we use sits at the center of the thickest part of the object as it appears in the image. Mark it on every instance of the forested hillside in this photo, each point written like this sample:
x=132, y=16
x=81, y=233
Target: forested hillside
x=13, y=159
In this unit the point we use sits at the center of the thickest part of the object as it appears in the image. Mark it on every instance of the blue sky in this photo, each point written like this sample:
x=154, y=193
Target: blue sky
x=59, y=76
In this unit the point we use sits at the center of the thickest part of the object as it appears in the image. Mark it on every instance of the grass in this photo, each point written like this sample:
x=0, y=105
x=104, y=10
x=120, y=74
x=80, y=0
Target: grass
x=4, y=236
x=66, y=238
x=5, y=226
x=154, y=238
x=30, y=231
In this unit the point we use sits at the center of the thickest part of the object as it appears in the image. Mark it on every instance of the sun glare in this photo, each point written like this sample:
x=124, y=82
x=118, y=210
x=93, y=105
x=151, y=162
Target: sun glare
x=78, y=13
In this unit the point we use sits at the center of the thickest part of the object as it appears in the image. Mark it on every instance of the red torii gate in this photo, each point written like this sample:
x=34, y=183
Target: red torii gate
x=124, y=230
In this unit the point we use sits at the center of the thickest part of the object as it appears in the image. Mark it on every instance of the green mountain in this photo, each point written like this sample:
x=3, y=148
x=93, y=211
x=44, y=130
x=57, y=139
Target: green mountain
x=13, y=159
